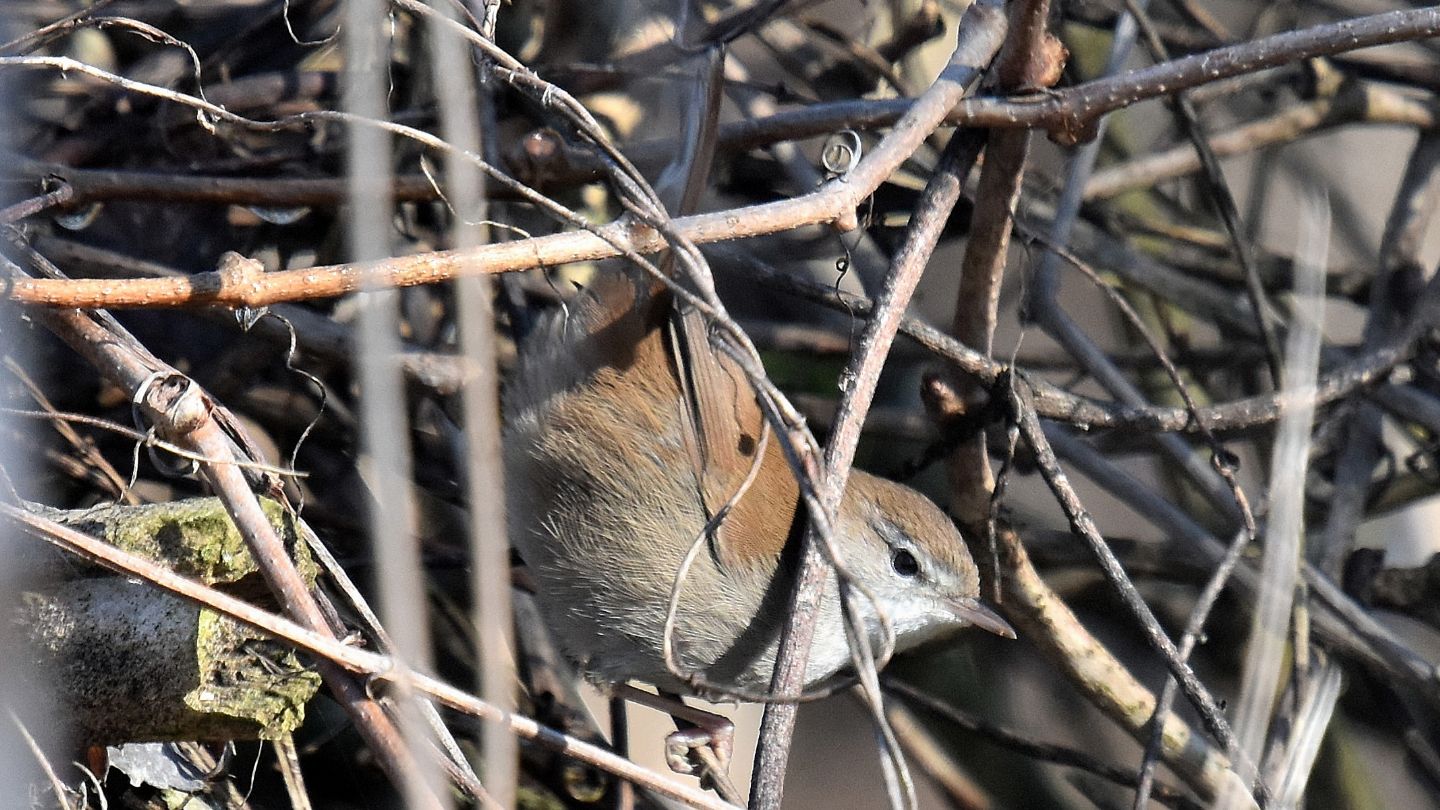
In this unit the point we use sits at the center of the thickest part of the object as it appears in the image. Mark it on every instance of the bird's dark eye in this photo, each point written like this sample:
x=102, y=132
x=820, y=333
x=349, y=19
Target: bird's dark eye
x=904, y=563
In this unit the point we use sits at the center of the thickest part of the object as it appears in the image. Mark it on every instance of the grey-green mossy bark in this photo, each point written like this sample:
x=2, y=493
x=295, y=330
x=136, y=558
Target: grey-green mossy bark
x=130, y=663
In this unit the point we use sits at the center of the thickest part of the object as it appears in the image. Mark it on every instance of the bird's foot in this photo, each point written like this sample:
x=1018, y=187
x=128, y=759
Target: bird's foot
x=702, y=743
x=701, y=748
x=704, y=751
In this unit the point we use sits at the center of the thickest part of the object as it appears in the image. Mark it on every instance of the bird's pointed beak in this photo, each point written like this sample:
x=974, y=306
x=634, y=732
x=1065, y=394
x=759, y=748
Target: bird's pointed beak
x=972, y=611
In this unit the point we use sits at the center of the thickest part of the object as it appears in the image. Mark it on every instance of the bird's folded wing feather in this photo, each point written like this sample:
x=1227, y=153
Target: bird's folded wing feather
x=724, y=430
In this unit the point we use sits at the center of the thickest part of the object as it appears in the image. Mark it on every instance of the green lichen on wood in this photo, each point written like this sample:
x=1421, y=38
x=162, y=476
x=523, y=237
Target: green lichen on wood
x=530, y=798
x=245, y=675
x=204, y=670
x=194, y=537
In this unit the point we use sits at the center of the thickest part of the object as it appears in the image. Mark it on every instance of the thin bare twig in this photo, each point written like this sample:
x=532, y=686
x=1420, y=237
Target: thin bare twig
x=1046, y=752
x=1224, y=199
x=1084, y=526
x=1074, y=108
x=984, y=30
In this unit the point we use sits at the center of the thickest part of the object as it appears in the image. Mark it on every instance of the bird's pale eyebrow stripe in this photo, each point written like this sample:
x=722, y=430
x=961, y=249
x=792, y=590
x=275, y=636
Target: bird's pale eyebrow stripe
x=890, y=532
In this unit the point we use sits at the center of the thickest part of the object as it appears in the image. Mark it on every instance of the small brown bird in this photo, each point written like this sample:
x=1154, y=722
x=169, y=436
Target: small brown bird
x=626, y=432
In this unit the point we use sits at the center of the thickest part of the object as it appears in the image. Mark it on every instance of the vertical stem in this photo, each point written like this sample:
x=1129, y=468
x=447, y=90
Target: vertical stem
x=20, y=684
x=385, y=462
x=480, y=404
x=976, y=304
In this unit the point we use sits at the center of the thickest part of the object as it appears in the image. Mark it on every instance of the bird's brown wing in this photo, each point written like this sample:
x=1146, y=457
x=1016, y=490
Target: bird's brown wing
x=720, y=419
x=664, y=351
x=724, y=428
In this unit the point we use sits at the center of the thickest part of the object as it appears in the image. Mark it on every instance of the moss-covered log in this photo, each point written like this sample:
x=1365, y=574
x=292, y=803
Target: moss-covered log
x=131, y=663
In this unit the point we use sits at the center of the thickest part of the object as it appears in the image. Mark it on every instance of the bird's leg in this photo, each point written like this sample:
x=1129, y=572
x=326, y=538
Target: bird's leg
x=702, y=742
x=620, y=741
